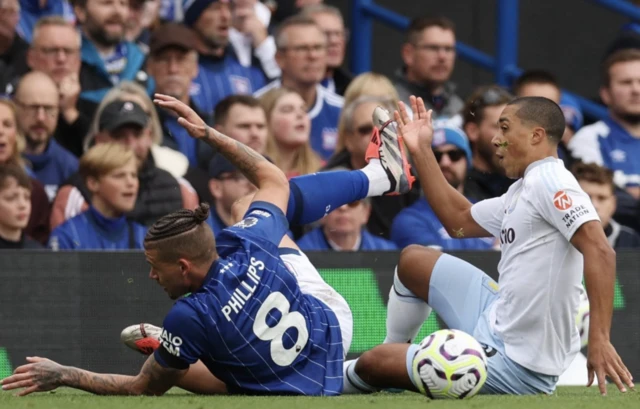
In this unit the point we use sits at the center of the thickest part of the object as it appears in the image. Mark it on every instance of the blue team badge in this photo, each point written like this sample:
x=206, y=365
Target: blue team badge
x=248, y=222
x=241, y=85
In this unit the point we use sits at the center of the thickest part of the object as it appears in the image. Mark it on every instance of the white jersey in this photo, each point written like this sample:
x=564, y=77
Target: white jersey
x=540, y=270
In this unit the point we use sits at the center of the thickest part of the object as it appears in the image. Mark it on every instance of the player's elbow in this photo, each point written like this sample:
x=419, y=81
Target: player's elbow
x=270, y=175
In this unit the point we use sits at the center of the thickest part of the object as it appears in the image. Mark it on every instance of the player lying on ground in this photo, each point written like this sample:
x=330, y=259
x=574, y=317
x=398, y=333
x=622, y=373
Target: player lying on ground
x=228, y=322
x=550, y=235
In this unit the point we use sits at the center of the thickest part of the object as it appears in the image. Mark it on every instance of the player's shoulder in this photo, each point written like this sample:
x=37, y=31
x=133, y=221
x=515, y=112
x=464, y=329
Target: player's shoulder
x=185, y=309
x=550, y=176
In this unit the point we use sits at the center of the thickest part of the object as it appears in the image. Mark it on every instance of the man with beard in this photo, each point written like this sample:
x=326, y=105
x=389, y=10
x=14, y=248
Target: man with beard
x=220, y=72
x=614, y=142
x=480, y=122
x=418, y=224
x=38, y=105
x=107, y=58
x=173, y=64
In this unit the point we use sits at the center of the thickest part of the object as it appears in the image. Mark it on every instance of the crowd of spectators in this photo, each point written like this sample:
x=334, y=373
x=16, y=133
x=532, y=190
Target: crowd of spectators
x=88, y=162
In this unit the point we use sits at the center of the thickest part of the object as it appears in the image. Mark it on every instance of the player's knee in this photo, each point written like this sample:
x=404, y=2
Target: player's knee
x=416, y=263
x=369, y=365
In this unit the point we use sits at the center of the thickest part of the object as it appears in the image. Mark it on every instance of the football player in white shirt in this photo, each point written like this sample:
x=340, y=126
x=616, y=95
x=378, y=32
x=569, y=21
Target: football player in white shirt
x=550, y=235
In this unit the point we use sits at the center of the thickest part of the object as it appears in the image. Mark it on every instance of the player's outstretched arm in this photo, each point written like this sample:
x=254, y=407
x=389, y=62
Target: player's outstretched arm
x=273, y=186
x=600, y=275
x=41, y=375
x=451, y=207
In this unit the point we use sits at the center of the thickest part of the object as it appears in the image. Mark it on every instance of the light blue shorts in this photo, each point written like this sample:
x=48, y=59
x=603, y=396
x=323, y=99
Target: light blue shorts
x=462, y=295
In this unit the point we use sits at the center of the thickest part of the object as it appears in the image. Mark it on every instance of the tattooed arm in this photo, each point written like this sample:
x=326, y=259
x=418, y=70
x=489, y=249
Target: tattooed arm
x=42, y=375
x=273, y=186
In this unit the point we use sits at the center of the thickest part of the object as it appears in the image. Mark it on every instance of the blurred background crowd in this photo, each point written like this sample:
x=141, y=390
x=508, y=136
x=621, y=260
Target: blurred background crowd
x=87, y=162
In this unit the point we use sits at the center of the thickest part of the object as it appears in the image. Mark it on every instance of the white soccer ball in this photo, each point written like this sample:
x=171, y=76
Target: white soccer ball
x=449, y=364
x=582, y=319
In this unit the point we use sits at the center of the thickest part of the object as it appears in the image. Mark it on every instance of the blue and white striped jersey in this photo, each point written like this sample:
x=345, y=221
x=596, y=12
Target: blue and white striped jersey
x=250, y=324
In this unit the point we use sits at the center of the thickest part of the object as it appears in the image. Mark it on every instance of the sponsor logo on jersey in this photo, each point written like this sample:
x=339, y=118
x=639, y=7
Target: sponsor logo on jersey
x=618, y=155
x=574, y=214
x=171, y=343
x=248, y=222
x=562, y=201
x=260, y=213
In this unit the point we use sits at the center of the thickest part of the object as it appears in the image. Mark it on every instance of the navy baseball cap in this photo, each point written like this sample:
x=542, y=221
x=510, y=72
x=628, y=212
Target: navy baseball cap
x=119, y=113
x=194, y=8
x=220, y=165
x=450, y=135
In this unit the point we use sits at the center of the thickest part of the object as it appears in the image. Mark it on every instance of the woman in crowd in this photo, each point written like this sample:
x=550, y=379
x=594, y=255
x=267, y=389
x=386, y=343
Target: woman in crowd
x=110, y=172
x=289, y=131
x=15, y=208
x=11, y=146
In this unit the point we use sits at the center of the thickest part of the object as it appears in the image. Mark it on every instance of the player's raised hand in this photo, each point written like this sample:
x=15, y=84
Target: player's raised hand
x=39, y=375
x=603, y=361
x=417, y=132
x=187, y=117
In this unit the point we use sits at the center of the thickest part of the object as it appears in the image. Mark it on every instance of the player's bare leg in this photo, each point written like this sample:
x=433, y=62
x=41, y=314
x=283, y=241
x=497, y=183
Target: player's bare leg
x=383, y=367
x=201, y=381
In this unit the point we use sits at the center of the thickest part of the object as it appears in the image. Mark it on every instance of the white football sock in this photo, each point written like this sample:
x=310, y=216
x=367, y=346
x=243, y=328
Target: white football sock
x=405, y=313
x=378, y=179
x=352, y=383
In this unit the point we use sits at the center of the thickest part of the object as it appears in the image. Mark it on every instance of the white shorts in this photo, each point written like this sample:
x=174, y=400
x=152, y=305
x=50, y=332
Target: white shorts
x=311, y=283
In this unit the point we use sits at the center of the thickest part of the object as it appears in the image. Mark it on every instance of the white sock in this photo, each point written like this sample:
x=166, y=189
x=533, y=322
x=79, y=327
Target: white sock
x=405, y=313
x=352, y=383
x=378, y=179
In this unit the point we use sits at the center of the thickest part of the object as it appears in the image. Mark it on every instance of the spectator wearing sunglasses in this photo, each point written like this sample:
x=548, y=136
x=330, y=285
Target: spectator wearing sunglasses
x=344, y=229
x=481, y=112
x=418, y=224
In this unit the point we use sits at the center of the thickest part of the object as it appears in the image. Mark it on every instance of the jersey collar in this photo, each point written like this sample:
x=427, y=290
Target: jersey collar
x=549, y=159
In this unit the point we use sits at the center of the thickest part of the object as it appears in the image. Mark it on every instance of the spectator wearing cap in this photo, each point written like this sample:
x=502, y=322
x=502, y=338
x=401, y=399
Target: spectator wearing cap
x=429, y=55
x=13, y=49
x=11, y=146
x=15, y=208
x=38, y=105
x=110, y=173
x=220, y=72
x=481, y=112
x=227, y=185
x=331, y=22
x=597, y=182
x=302, y=56
x=160, y=193
x=418, y=223
x=107, y=57
x=344, y=229
x=173, y=64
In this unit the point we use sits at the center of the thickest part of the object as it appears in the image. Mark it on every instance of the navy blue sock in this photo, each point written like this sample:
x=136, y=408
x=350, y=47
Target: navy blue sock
x=313, y=196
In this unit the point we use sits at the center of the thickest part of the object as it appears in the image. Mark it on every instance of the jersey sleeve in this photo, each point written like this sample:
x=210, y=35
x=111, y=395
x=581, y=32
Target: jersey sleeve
x=183, y=338
x=489, y=214
x=263, y=220
x=566, y=206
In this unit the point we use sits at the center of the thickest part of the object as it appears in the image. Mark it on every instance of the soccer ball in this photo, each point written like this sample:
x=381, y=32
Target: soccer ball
x=582, y=319
x=449, y=364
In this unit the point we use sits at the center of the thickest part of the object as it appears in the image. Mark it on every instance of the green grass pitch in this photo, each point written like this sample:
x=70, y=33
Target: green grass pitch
x=564, y=398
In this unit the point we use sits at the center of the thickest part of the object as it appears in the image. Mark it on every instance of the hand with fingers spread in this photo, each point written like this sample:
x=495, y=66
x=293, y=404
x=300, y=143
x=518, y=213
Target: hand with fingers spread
x=39, y=375
x=417, y=133
x=603, y=361
x=187, y=117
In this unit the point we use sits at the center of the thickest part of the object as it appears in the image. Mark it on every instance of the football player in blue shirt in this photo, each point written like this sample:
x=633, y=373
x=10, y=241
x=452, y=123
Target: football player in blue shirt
x=250, y=324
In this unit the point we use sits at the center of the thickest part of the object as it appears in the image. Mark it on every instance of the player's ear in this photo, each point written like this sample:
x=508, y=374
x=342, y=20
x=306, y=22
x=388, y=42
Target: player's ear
x=538, y=135
x=185, y=266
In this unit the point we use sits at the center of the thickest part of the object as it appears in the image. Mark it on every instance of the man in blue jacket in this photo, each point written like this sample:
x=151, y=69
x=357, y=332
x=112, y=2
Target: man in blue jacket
x=418, y=224
x=107, y=58
x=38, y=106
